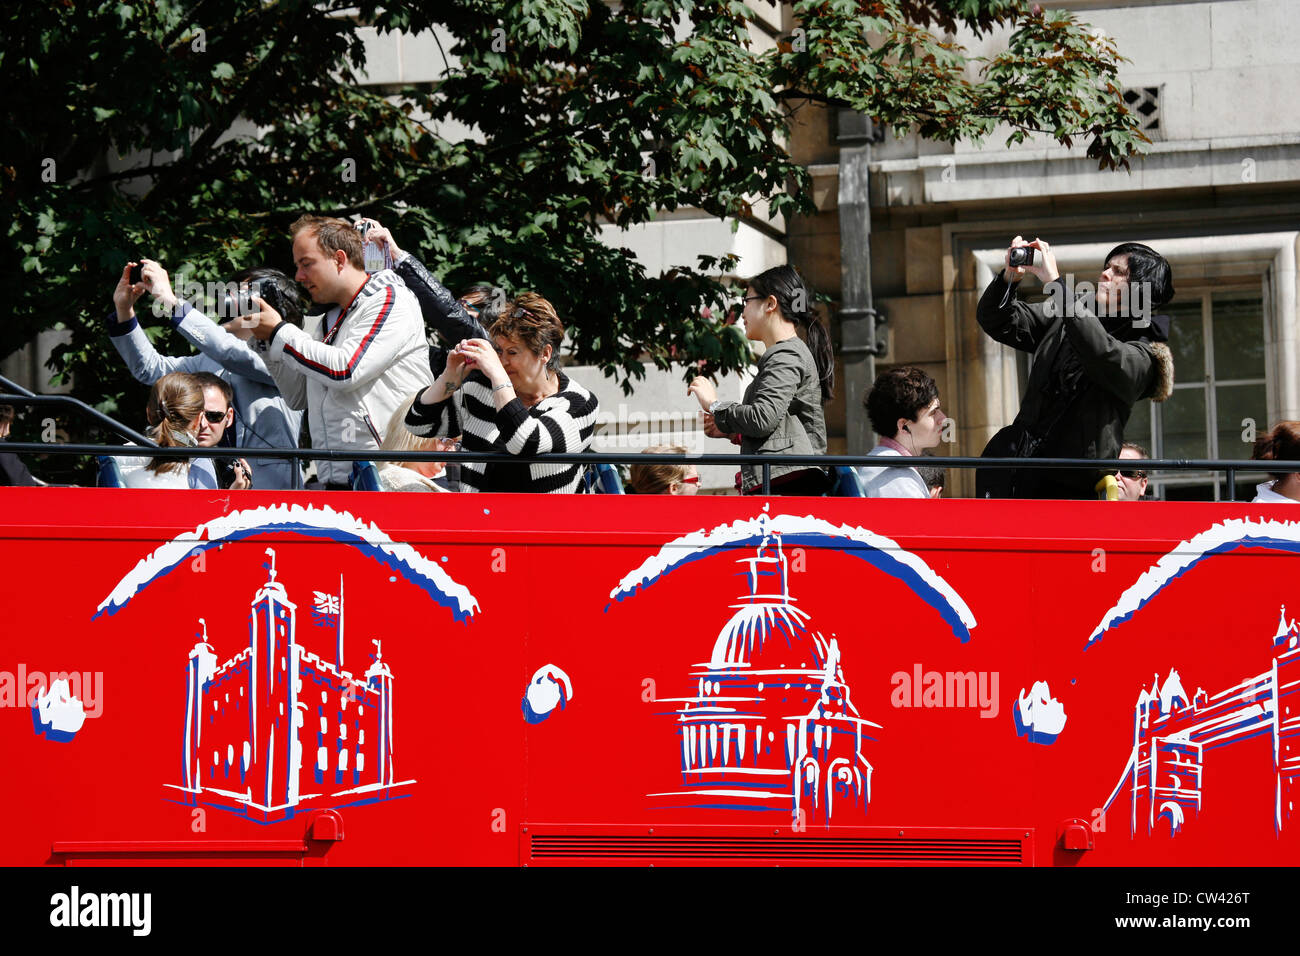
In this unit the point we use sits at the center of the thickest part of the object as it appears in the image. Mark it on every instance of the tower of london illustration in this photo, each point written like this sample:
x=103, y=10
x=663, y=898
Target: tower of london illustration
x=1174, y=733
x=250, y=720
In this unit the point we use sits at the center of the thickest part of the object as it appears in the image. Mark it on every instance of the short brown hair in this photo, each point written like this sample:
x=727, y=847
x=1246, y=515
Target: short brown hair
x=533, y=321
x=1282, y=443
x=656, y=479
x=209, y=380
x=331, y=236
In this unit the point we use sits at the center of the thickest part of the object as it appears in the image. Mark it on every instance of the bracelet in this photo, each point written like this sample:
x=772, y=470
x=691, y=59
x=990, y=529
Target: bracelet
x=497, y=388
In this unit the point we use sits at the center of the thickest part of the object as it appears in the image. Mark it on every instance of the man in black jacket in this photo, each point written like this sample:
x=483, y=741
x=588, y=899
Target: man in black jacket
x=1094, y=357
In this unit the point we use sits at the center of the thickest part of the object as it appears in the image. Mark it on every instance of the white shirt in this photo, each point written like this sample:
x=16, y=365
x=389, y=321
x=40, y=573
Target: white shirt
x=1264, y=493
x=891, y=482
x=196, y=473
x=396, y=477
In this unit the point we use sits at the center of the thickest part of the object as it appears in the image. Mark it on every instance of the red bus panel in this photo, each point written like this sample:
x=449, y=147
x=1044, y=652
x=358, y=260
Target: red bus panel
x=398, y=679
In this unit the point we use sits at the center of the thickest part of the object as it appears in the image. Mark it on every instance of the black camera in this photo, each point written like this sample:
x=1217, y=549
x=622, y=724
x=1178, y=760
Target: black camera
x=242, y=303
x=228, y=469
x=136, y=274
x=1021, y=256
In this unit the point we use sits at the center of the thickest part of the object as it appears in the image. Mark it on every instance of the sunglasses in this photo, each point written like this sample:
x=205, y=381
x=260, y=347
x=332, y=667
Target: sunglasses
x=1132, y=475
x=692, y=480
x=216, y=418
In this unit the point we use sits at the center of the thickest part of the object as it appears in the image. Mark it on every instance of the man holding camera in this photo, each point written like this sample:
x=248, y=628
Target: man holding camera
x=1094, y=357
x=354, y=364
x=262, y=417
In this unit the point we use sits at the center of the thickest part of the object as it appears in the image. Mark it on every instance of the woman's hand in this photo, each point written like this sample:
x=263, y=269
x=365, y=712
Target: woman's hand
x=703, y=390
x=1045, y=269
x=1009, y=272
x=456, y=365
x=381, y=237
x=482, y=355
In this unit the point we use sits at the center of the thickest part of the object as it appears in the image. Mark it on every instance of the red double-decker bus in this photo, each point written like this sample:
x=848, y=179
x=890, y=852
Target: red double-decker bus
x=248, y=677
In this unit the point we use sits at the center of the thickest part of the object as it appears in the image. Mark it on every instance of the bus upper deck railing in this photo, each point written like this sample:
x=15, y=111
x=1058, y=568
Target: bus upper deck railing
x=21, y=396
x=765, y=462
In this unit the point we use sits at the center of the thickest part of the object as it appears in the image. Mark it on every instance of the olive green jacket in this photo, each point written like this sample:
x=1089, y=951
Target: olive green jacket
x=781, y=413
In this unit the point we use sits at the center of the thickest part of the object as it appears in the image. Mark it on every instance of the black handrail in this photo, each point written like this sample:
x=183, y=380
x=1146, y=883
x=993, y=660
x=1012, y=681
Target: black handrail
x=21, y=396
x=1230, y=466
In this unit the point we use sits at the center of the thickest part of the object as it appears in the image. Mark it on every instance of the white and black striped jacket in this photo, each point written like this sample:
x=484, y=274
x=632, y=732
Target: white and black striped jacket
x=562, y=423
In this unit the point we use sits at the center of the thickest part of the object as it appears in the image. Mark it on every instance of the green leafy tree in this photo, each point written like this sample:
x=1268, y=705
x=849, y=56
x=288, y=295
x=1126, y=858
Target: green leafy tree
x=195, y=132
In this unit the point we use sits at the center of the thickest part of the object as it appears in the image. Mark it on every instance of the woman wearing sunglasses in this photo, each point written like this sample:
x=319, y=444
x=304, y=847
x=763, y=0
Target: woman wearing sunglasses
x=782, y=410
x=508, y=393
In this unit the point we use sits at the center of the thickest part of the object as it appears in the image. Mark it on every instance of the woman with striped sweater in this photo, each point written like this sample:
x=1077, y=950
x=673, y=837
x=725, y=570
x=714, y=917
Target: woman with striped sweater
x=508, y=394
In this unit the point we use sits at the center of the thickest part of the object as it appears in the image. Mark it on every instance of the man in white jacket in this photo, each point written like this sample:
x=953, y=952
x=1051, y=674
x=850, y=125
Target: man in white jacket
x=353, y=365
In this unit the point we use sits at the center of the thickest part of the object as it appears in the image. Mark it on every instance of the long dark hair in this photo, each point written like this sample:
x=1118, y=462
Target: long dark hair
x=795, y=300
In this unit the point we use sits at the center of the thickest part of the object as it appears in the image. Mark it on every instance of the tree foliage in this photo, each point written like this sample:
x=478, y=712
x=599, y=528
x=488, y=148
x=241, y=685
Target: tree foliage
x=195, y=132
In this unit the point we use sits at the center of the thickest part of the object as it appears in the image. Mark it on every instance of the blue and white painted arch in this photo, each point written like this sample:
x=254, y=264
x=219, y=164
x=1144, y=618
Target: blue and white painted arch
x=309, y=521
x=875, y=549
x=1220, y=538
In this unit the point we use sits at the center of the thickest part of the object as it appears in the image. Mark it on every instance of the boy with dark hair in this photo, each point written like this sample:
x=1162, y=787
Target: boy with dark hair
x=903, y=406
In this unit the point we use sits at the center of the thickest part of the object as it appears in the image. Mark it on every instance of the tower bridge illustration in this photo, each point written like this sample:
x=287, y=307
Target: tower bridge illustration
x=1173, y=733
x=248, y=719
x=771, y=727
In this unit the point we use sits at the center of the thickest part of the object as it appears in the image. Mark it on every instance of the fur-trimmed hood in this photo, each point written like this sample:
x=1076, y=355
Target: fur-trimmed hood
x=1164, y=359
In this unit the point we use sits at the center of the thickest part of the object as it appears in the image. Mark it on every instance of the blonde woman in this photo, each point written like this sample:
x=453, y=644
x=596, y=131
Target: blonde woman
x=413, y=475
x=666, y=478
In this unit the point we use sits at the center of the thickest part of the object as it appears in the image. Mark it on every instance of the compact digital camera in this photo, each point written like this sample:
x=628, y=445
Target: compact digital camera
x=1021, y=256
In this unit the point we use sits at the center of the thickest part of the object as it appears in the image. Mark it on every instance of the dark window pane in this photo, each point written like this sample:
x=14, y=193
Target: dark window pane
x=1184, y=424
x=1186, y=339
x=1138, y=428
x=1238, y=336
x=1236, y=404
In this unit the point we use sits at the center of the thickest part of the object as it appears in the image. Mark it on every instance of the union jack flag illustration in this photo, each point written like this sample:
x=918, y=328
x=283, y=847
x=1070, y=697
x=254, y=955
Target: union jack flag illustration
x=325, y=609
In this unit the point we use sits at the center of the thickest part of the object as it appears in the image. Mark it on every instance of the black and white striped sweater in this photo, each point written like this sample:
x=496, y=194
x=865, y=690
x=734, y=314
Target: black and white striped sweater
x=562, y=423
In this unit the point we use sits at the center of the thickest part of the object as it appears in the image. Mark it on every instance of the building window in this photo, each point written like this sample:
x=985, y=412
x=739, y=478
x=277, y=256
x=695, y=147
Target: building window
x=1145, y=102
x=1220, y=395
